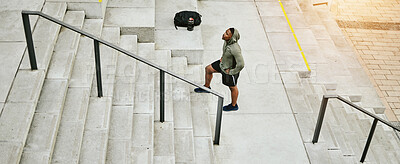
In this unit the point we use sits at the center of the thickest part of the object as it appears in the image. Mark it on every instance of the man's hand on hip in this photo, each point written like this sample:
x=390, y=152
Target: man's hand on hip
x=227, y=71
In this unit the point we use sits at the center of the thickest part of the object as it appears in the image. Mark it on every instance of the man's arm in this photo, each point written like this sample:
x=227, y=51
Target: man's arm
x=239, y=64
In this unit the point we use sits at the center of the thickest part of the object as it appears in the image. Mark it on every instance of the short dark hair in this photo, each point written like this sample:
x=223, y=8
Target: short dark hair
x=232, y=30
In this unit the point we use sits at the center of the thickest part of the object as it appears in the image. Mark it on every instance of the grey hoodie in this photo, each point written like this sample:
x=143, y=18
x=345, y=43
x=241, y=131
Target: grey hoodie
x=231, y=52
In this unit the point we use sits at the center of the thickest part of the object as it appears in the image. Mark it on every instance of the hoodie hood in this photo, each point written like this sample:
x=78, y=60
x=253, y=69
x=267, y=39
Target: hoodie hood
x=234, y=39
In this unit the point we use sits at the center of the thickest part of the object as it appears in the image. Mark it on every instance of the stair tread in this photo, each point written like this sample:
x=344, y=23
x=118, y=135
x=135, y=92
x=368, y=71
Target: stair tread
x=122, y=118
x=83, y=70
x=204, y=151
x=164, y=139
x=11, y=56
x=163, y=59
x=96, y=133
x=49, y=99
x=181, y=98
x=184, y=146
x=79, y=91
x=108, y=60
x=43, y=130
x=120, y=135
x=45, y=35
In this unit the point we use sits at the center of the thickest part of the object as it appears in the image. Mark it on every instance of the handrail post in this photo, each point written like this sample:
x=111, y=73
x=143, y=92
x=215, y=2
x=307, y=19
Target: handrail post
x=219, y=119
x=162, y=98
x=29, y=41
x=320, y=119
x=371, y=133
x=98, y=68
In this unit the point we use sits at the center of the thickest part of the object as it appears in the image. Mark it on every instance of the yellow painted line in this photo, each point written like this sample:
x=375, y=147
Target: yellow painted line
x=99, y=0
x=297, y=41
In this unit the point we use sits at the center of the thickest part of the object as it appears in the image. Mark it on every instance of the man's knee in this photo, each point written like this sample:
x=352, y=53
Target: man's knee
x=209, y=69
x=232, y=88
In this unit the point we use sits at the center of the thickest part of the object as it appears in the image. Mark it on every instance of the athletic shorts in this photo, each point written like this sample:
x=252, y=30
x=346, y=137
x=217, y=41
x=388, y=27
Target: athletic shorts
x=228, y=80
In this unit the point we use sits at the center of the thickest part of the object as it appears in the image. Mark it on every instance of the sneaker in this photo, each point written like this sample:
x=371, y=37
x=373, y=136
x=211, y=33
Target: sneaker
x=199, y=90
x=231, y=108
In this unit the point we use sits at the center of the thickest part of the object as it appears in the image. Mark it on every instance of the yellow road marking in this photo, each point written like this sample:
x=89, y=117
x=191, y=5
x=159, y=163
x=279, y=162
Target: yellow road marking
x=99, y=0
x=297, y=41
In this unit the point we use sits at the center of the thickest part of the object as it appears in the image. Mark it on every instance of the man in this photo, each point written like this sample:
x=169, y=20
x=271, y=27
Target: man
x=230, y=65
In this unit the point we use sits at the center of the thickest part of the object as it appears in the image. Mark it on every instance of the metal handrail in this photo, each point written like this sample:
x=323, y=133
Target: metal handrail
x=32, y=59
x=371, y=132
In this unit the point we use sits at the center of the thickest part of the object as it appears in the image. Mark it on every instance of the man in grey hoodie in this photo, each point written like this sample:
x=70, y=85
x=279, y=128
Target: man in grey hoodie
x=230, y=65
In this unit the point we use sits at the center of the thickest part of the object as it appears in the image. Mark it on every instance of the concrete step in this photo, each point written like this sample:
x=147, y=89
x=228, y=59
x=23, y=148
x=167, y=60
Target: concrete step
x=144, y=80
x=108, y=60
x=70, y=132
x=47, y=100
x=143, y=109
x=131, y=3
x=96, y=132
x=203, y=141
x=125, y=73
x=93, y=9
x=120, y=135
x=181, y=96
x=183, y=133
x=134, y=17
x=65, y=50
x=44, y=36
x=66, y=149
x=163, y=58
x=84, y=67
x=121, y=124
x=181, y=42
x=143, y=138
x=127, y=65
x=163, y=132
x=44, y=128
x=164, y=151
x=184, y=146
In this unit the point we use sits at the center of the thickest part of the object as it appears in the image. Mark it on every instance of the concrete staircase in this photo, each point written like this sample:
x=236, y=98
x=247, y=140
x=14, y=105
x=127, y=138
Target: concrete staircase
x=65, y=122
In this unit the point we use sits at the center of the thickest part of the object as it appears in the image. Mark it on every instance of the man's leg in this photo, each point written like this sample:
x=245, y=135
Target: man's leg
x=234, y=94
x=209, y=75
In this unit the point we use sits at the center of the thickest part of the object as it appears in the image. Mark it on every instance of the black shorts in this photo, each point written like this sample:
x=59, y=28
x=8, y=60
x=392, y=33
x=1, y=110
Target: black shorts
x=228, y=80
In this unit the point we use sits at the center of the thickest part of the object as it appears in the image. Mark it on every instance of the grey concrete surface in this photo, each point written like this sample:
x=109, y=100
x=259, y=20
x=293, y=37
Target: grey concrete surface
x=163, y=58
x=94, y=9
x=118, y=151
x=259, y=78
x=62, y=61
x=164, y=140
x=44, y=127
x=241, y=131
x=45, y=36
x=138, y=21
x=184, y=146
x=26, y=86
x=10, y=151
x=130, y=17
x=142, y=130
x=94, y=147
x=204, y=151
x=131, y=3
x=9, y=66
x=83, y=70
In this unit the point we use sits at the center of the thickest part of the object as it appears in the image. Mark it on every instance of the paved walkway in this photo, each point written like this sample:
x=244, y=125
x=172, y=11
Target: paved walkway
x=373, y=27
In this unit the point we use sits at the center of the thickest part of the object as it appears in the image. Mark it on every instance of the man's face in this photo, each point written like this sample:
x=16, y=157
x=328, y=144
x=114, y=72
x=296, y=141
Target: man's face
x=227, y=35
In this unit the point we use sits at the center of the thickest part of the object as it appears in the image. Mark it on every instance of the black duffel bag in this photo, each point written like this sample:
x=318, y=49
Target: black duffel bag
x=181, y=19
